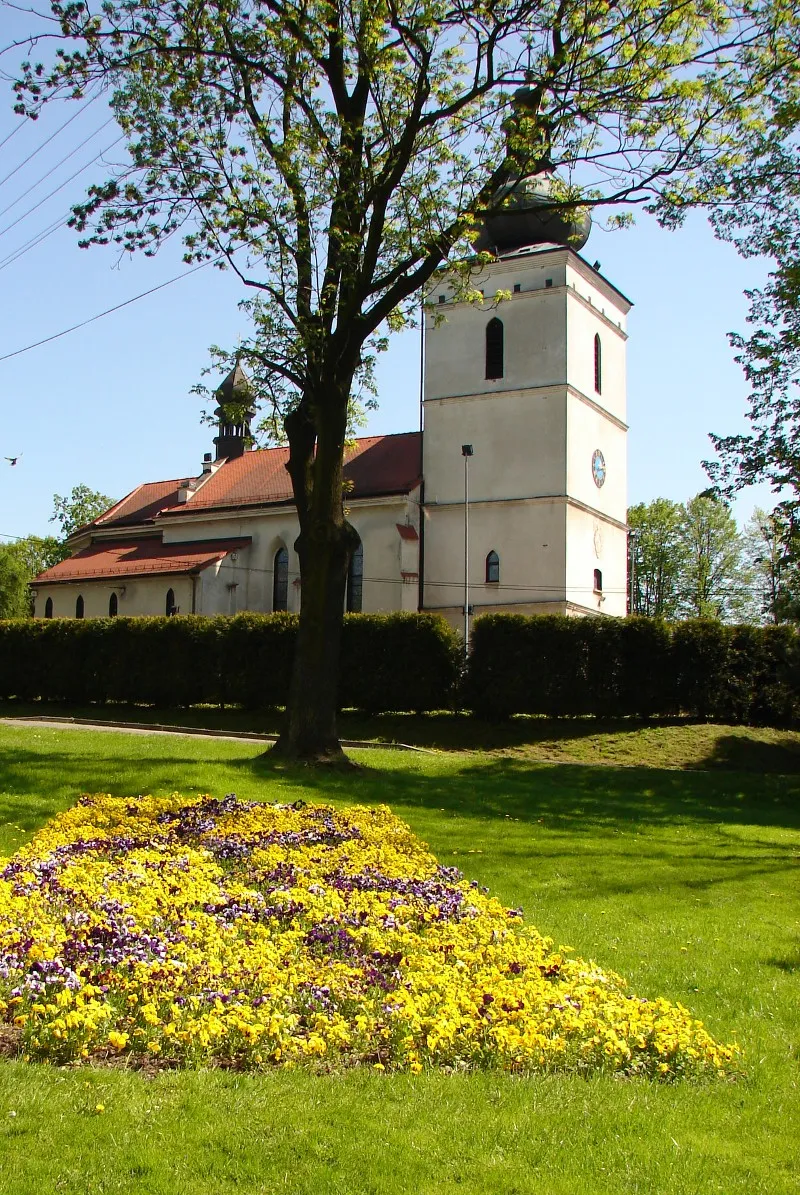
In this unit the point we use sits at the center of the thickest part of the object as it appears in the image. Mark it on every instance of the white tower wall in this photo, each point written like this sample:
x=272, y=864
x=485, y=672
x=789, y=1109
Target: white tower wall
x=535, y=432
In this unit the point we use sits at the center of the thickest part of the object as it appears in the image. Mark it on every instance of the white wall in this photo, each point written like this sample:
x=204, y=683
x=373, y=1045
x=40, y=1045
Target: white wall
x=139, y=596
x=534, y=432
x=243, y=580
x=593, y=543
x=529, y=538
x=587, y=431
x=519, y=442
x=584, y=321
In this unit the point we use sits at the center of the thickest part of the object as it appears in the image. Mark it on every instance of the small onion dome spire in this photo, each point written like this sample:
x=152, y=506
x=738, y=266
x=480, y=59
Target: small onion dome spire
x=522, y=212
x=523, y=218
x=234, y=414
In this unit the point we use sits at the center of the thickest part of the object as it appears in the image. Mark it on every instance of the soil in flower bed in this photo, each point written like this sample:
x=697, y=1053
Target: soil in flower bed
x=203, y=931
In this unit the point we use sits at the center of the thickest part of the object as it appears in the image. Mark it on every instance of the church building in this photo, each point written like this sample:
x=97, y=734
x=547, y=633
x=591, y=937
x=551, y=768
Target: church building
x=514, y=493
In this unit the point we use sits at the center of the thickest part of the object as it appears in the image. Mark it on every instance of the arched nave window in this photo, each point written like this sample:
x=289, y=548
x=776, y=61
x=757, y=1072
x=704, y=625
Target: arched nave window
x=355, y=580
x=494, y=348
x=79, y=606
x=280, y=580
x=48, y=608
x=492, y=568
x=113, y=606
x=598, y=581
x=169, y=605
x=598, y=365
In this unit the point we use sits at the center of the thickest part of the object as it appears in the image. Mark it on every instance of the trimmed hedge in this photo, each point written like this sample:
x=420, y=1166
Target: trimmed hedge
x=633, y=667
x=551, y=665
x=390, y=661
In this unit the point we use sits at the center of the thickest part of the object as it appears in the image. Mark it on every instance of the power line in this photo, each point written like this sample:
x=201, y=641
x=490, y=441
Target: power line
x=35, y=240
x=109, y=311
x=39, y=148
x=20, y=125
x=53, y=169
x=60, y=187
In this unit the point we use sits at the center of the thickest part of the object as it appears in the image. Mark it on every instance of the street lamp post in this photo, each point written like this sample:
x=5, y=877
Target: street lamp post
x=466, y=452
x=632, y=603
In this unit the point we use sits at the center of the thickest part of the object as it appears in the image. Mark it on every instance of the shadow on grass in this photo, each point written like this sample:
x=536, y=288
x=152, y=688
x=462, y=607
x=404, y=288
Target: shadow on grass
x=572, y=797
x=654, y=742
x=735, y=752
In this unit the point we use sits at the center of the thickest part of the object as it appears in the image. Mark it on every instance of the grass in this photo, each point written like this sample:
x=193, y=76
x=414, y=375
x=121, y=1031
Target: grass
x=684, y=882
x=672, y=743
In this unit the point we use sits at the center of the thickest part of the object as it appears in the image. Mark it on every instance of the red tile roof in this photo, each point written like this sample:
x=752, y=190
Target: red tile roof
x=374, y=465
x=406, y=532
x=139, y=557
x=142, y=504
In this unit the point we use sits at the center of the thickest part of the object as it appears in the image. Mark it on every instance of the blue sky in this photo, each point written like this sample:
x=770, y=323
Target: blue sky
x=109, y=405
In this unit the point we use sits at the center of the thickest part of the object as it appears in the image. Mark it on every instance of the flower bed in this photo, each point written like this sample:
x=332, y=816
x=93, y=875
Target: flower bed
x=218, y=931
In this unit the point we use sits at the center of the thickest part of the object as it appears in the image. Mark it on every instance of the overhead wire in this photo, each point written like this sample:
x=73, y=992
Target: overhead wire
x=54, y=168
x=60, y=187
x=35, y=240
x=20, y=125
x=109, y=311
x=47, y=141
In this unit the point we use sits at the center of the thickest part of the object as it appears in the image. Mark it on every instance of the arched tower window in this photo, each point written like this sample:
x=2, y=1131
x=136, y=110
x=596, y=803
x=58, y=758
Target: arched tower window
x=79, y=606
x=355, y=580
x=598, y=581
x=492, y=568
x=169, y=605
x=598, y=365
x=280, y=580
x=494, y=348
x=48, y=608
x=113, y=606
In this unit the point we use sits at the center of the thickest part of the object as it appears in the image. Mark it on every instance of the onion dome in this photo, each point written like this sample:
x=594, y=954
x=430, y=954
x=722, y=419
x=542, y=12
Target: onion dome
x=524, y=219
x=236, y=410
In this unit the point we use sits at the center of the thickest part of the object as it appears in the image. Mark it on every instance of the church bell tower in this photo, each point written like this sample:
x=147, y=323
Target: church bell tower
x=235, y=412
x=535, y=383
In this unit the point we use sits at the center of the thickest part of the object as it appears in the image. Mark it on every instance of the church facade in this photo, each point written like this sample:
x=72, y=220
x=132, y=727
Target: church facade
x=519, y=474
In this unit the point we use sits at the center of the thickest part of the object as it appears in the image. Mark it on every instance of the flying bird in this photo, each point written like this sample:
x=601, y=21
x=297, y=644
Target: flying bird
x=12, y=460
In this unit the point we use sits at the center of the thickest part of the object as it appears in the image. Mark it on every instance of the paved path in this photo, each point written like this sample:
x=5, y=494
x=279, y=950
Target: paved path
x=245, y=736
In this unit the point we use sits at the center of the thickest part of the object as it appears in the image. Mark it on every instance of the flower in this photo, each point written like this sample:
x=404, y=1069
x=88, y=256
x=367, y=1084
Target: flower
x=217, y=930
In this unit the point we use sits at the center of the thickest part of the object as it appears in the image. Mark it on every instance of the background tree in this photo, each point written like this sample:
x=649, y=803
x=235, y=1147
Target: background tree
x=755, y=203
x=25, y=558
x=15, y=575
x=80, y=507
x=658, y=558
x=712, y=580
x=336, y=154
x=772, y=562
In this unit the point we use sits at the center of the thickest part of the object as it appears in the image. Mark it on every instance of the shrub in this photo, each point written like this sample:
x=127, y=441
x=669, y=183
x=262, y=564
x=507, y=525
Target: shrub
x=389, y=662
x=398, y=662
x=634, y=667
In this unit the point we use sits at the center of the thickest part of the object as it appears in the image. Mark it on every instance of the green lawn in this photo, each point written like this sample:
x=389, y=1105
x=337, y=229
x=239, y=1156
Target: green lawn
x=686, y=882
x=673, y=743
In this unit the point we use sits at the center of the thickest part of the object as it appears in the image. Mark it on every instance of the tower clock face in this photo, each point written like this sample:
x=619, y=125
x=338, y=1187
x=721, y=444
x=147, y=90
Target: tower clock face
x=598, y=467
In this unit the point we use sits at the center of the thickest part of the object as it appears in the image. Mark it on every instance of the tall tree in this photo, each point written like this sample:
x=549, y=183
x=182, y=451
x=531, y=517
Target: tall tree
x=15, y=594
x=658, y=558
x=711, y=580
x=772, y=556
x=78, y=508
x=335, y=154
x=20, y=562
x=755, y=203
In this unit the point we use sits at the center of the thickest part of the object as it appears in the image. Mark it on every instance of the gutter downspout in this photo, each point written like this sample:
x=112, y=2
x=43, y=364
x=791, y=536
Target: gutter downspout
x=194, y=592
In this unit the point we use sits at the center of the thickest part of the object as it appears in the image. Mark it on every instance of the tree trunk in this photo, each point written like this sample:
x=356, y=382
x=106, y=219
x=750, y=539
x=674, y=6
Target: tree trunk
x=325, y=544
